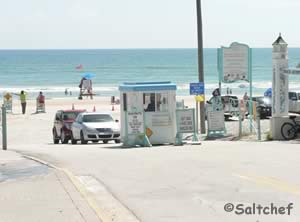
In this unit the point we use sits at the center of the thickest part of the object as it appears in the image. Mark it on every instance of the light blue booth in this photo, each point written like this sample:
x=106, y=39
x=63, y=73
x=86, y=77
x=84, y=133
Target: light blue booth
x=148, y=113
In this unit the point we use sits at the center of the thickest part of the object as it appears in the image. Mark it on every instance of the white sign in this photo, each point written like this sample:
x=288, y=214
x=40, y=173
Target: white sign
x=185, y=120
x=7, y=101
x=135, y=122
x=161, y=119
x=215, y=120
x=235, y=63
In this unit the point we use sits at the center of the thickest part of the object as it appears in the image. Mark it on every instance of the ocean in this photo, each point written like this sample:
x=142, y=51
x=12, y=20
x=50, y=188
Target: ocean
x=52, y=71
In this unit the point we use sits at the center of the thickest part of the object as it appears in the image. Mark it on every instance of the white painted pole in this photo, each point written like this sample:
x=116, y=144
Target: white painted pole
x=280, y=84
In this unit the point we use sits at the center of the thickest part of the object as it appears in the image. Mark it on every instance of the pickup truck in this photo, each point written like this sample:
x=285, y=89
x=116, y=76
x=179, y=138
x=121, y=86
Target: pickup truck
x=230, y=105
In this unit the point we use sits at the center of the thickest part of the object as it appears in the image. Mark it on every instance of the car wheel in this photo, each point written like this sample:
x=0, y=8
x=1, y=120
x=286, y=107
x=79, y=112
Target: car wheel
x=55, y=139
x=63, y=137
x=73, y=141
x=105, y=141
x=117, y=141
x=82, y=140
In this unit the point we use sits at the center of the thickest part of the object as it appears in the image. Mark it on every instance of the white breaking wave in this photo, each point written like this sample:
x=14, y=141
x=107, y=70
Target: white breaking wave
x=106, y=89
x=55, y=89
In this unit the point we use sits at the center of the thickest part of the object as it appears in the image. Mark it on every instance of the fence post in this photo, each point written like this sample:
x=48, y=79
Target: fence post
x=240, y=119
x=4, y=129
x=258, y=123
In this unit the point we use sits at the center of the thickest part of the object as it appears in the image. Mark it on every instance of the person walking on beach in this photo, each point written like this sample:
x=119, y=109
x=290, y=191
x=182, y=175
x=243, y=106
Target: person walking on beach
x=23, y=100
x=246, y=101
x=40, y=103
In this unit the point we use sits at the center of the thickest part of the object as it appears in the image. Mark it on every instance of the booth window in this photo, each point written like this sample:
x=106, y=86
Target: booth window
x=162, y=102
x=124, y=102
x=149, y=102
x=155, y=102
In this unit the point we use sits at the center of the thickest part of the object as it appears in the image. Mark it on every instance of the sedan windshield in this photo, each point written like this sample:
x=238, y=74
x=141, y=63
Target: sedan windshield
x=70, y=115
x=97, y=118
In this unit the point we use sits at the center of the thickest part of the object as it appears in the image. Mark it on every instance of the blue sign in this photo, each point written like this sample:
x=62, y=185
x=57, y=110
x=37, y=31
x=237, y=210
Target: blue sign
x=197, y=88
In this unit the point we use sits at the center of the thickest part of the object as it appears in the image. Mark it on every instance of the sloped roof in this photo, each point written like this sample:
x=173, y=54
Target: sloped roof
x=279, y=40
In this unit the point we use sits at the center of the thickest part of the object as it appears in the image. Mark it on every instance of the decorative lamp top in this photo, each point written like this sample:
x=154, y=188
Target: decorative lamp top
x=279, y=41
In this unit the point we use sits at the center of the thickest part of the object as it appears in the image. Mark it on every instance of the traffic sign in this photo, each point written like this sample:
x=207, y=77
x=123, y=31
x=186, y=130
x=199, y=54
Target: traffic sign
x=197, y=88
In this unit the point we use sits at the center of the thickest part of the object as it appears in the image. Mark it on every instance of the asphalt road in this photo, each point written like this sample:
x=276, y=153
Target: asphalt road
x=176, y=184
x=189, y=183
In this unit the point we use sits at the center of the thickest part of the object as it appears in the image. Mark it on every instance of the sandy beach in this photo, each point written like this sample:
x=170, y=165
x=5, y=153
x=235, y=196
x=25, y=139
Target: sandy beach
x=33, y=128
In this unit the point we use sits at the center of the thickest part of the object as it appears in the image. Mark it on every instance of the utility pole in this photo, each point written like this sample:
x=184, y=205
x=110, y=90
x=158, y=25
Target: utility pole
x=200, y=63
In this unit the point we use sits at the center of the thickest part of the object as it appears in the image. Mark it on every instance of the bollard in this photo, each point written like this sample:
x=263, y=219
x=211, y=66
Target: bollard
x=240, y=120
x=4, y=129
x=258, y=123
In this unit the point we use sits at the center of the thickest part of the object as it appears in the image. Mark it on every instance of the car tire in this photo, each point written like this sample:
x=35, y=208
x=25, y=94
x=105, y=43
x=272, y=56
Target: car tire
x=73, y=141
x=105, y=141
x=55, y=139
x=117, y=141
x=82, y=140
x=63, y=138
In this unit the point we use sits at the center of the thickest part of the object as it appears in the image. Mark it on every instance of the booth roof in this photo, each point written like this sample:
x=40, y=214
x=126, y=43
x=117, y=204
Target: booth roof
x=147, y=86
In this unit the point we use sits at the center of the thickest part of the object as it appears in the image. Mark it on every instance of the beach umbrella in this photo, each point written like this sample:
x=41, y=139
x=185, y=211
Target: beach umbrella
x=88, y=75
x=268, y=92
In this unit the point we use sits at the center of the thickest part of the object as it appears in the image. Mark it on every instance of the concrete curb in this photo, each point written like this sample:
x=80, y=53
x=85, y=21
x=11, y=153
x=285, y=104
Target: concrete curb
x=110, y=209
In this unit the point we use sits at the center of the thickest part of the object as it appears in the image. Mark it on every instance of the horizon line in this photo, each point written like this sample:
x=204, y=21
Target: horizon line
x=41, y=49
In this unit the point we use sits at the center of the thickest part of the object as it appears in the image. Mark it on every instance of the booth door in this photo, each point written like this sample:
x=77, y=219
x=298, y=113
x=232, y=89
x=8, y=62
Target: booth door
x=159, y=117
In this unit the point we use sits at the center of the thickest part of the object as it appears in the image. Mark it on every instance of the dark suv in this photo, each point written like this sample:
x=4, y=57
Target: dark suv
x=62, y=124
x=264, y=106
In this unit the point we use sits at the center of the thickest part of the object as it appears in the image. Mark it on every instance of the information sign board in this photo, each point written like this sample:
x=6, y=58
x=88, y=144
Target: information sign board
x=234, y=62
x=197, y=88
x=215, y=120
x=185, y=120
x=135, y=122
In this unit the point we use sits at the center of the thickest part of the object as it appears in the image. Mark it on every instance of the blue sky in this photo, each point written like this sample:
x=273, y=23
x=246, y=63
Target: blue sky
x=52, y=24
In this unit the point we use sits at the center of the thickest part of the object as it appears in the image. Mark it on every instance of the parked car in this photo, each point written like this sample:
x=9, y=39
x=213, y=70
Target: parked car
x=264, y=105
x=95, y=127
x=230, y=105
x=63, y=120
x=294, y=102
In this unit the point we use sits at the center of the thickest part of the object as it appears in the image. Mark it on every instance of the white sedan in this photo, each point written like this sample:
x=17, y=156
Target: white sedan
x=94, y=127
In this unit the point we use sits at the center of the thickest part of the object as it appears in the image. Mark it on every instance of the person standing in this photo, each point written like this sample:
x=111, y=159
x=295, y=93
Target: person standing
x=23, y=101
x=22, y=96
x=40, y=105
x=246, y=101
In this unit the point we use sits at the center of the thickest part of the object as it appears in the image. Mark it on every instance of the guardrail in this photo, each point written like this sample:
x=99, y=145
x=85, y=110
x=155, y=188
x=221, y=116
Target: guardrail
x=253, y=116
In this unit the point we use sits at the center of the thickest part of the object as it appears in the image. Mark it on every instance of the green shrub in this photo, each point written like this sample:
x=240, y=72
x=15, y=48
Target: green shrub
x=269, y=136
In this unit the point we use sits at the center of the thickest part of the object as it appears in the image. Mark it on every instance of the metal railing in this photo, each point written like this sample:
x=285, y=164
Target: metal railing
x=253, y=117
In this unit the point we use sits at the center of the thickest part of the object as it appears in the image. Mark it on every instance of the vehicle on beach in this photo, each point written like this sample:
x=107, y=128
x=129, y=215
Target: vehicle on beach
x=63, y=120
x=294, y=102
x=230, y=105
x=95, y=127
x=264, y=106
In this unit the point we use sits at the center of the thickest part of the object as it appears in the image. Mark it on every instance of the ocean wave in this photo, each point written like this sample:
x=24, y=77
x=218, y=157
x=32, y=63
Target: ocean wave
x=257, y=86
x=54, y=89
